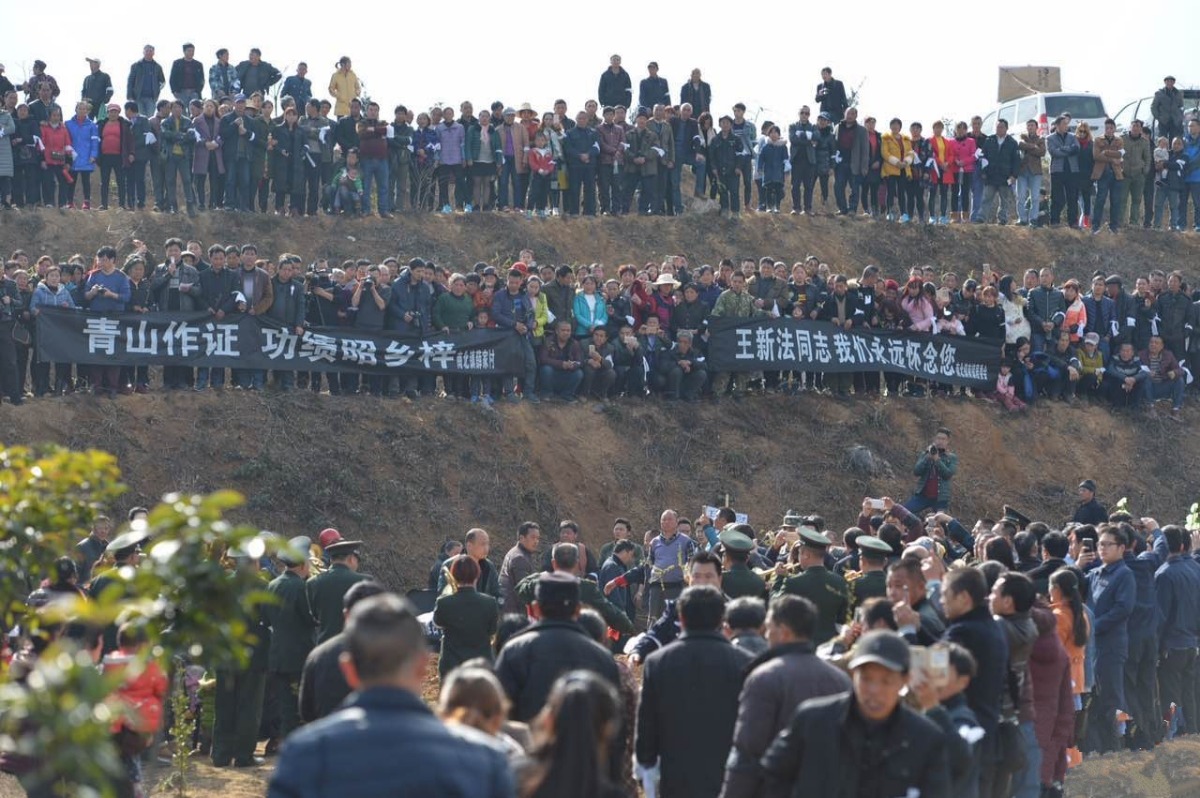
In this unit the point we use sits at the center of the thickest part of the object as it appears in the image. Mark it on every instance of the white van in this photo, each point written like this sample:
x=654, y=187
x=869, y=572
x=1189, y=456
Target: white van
x=1047, y=107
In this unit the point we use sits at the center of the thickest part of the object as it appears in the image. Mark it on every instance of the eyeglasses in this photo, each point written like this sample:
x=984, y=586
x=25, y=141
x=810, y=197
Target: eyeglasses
x=1105, y=544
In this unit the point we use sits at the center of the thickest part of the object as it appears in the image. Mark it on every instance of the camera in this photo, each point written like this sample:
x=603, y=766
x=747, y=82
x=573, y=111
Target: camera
x=367, y=283
x=932, y=450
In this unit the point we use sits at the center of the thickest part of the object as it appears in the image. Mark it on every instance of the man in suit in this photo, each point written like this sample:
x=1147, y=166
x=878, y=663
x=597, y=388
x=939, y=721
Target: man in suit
x=1001, y=162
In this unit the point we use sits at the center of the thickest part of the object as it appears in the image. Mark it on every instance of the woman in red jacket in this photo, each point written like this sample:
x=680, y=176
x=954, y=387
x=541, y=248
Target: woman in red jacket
x=942, y=173
x=116, y=153
x=56, y=154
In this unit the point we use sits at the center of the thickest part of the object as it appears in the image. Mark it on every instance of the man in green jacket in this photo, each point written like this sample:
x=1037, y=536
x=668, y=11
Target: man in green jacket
x=826, y=590
x=565, y=557
x=733, y=303
x=325, y=591
x=1138, y=162
x=293, y=634
x=934, y=469
x=737, y=579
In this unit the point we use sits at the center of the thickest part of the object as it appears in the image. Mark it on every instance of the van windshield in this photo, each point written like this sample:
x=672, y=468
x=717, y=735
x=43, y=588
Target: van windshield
x=1079, y=106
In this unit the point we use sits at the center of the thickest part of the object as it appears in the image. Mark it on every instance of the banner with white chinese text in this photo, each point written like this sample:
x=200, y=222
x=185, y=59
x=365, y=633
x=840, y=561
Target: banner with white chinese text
x=253, y=342
x=785, y=344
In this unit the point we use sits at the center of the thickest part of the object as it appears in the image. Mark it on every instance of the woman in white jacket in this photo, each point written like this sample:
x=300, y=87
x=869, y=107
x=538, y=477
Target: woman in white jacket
x=1015, y=323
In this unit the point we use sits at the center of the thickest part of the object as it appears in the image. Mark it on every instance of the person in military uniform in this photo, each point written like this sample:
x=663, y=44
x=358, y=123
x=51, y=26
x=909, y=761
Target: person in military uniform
x=323, y=686
x=238, y=702
x=293, y=635
x=737, y=580
x=325, y=591
x=823, y=588
x=872, y=580
x=125, y=551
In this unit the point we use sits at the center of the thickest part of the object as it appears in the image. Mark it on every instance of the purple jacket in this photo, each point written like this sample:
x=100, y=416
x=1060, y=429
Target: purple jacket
x=209, y=131
x=453, y=139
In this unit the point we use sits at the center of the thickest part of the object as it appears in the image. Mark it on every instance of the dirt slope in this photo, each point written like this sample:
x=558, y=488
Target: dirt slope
x=460, y=241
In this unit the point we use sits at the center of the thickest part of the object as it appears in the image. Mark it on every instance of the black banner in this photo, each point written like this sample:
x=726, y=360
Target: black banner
x=253, y=342
x=789, y=344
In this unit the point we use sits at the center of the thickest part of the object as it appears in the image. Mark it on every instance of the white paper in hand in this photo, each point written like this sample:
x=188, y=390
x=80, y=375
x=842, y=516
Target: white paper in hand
x=391, y=132
x=322, y=134
x=150, y=139
x=661, y=152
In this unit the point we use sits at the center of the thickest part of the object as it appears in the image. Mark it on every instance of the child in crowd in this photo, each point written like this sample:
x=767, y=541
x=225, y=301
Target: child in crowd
x=1006, y=392
x=143, y=692
x=541, y=172
x=481, y=387
x=1161, y=153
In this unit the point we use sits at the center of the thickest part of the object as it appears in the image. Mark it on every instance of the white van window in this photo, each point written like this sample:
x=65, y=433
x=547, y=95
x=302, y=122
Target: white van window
x=1007, y=113
x=1026, y=110
x=1079, y=106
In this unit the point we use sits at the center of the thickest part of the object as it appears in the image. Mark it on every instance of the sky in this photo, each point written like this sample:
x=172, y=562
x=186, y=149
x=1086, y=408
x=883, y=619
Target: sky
x=486, y=53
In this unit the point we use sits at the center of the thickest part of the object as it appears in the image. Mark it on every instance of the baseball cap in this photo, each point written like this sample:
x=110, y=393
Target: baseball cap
x=881, y=647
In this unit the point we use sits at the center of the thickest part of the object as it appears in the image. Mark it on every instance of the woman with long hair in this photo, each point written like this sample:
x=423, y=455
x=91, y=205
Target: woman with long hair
x=572, y=735
x=1087, y=159
x=917, y=305
x=467, y=618
x=1074, y=630
x=708, y=132
x=1016, y=325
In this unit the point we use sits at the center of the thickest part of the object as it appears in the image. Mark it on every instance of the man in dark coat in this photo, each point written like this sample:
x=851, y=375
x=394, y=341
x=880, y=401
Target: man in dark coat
x=565, y=559
x=615, y=86
x=255, y=74
x=971, y=625
x=701, y=663
x=1112, y=595
x=1001, y=161
x=97, y=87
x=387, y=741
x=777, y=682
x=831, y=94
x=1054, y=552
x=293, y=633
x=326, y=591
x=89, y=550
x=1089, y=511
x=865, y=742
x=478, y=544
x=653, y=90
x=187, y=76
x=323, y=686
x=534, y=658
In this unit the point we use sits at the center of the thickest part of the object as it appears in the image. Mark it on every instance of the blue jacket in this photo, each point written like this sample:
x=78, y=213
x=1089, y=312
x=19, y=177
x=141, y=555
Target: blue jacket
x=85, y=140
x=581, y=141
x=585, y=319
x=771, y=159
x=1144, y=620
x=1112, y=597
x=1177, y=590
x=508, y=310
x=386, y=742
x=1191, y=149
x=409, y=298
x=652, y=92
x=116, y=282
x=299, y=89
x=1100, y=315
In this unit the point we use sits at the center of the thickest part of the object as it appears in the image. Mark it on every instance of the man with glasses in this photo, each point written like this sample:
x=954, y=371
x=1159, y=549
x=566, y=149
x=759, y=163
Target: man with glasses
x=1111, y=597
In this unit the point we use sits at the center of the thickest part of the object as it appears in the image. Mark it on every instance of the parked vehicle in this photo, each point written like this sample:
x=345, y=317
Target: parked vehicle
x=1045, y=108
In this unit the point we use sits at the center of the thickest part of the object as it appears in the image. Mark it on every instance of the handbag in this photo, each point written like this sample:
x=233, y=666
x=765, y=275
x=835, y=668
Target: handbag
x=20, y=334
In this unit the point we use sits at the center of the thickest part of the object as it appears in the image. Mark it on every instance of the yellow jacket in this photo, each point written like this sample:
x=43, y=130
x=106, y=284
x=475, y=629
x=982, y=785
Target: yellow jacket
x=344, y=87
x=897, y=155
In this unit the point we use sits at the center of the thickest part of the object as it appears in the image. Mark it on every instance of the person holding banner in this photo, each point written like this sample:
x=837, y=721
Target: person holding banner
x=733, y=303
x=107, y=291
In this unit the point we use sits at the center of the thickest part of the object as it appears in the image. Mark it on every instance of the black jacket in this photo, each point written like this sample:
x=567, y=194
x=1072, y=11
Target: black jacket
x=832, y=97
x=615, y=89
x=322, y=685
x=1004, y=159
x=468, y=620
x=825, y=752
x=978, y=632
x=698, y=664
x=1091, y=512
x=1041, y=573
x=257, y=78
x=217, y=289
x=185, y=73
x=534, y=658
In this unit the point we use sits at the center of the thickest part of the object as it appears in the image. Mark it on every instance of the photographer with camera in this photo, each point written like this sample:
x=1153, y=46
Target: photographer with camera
x=320, y=311
x=410, y=310
x=370, y=300
x=934, y=469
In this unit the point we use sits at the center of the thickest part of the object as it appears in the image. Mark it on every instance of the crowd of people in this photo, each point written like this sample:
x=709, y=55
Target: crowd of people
x=908, y=654
x=589, y=333
x=619, y=154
